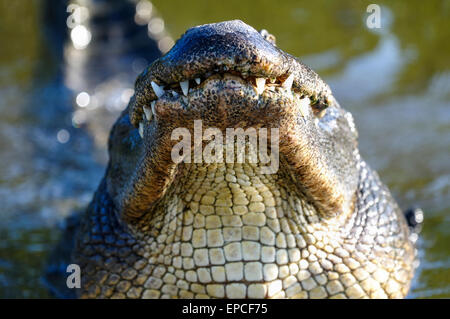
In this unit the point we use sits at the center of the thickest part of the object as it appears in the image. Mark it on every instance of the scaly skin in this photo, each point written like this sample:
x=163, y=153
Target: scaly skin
x=322, y=226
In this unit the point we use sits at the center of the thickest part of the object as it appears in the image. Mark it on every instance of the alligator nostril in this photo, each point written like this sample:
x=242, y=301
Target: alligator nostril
x=267, y=36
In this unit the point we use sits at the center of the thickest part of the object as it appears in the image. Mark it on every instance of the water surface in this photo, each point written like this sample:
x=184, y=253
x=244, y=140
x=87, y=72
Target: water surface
x=395, y=80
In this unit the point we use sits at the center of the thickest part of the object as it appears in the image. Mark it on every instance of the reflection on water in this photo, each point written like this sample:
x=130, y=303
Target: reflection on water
x=58, y=103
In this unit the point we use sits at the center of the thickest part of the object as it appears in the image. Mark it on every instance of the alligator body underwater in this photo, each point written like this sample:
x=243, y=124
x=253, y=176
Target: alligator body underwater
x=321, y=225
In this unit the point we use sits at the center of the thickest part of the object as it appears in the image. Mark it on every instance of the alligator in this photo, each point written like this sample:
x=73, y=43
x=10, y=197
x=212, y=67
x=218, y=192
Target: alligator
x=321, y=225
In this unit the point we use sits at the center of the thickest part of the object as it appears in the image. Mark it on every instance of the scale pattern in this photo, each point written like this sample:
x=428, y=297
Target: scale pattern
x=225, y=231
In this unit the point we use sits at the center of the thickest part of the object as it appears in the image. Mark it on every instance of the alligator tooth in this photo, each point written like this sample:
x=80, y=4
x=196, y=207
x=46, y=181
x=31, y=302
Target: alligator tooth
x=141, y=129
x=175, y=94
x=185, y=87
x=148, y=113
x=153, y=107
x=197, y=80
x=159, y=91
x=322, y=113
x=304, y=106
x=260, y=85
x=287, y=84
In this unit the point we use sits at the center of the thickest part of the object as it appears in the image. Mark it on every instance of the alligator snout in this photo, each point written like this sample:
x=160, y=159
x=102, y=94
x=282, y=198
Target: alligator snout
x=222, y=47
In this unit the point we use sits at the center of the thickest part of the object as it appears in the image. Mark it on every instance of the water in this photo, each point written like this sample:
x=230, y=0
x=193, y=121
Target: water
x=395, y=80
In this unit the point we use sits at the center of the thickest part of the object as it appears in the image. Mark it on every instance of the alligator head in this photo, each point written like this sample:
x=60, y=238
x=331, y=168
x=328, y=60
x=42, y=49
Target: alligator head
x=320, y=224
x=229, y=75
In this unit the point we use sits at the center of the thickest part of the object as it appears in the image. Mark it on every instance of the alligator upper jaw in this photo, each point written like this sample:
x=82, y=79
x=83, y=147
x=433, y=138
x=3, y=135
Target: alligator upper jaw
x=225, y=101
x=232, y=47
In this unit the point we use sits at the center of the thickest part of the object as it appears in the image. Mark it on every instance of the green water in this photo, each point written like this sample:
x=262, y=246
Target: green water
x=395, y=81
